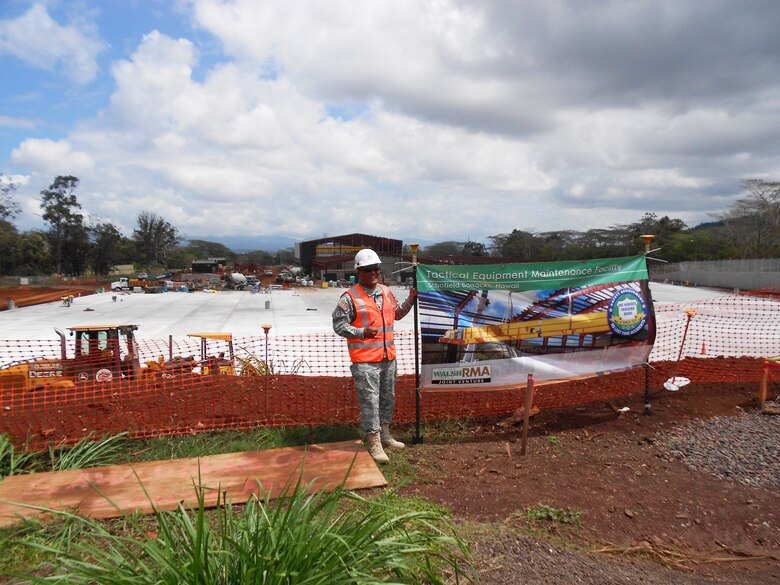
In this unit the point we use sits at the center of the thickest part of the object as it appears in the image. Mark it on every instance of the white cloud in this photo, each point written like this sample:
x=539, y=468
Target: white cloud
x=428, y=120
x=53, y=157
x=39, y=40
x=17, y=180
x=336, y=52
x=12, y=122
x=238, y=152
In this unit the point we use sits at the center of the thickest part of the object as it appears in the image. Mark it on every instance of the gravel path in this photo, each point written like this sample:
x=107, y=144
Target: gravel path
x=742, y=448
x=514, y=560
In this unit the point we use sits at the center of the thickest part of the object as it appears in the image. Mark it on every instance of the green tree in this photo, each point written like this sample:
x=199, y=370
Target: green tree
x=67, y=235
x=155, y=240
x=518, y=245
x=442, y=249
x=105, y=245
x=664, y=229
x=474, y=249
x=8, y=234
x=618, y=240
x=76, y=250
x=32, y=253
x=704, y=244
x=604, y=243
x=284, y=256
x=8, y=206
x=763, y=198
x=259, y=257
x=8, y=243
x=183, y=255
x=560, y=245
x=752, y=224
x=206, y=249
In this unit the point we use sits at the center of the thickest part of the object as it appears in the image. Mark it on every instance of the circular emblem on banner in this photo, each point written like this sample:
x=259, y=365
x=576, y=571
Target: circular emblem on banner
x=103, y=375
x=627, y=313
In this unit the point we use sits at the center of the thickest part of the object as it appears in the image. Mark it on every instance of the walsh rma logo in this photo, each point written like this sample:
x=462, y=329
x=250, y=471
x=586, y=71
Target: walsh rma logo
x=461, y=375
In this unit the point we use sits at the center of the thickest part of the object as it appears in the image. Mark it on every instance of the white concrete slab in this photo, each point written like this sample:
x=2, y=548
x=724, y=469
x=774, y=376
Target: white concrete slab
x=671, y=293
x=242, y=313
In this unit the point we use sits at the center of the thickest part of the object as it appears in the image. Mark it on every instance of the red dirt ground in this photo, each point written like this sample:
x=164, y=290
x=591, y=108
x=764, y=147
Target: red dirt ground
x=25, y=296
x=610, y=468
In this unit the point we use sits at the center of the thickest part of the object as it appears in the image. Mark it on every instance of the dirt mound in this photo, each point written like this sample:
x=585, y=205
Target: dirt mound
x=25, y=296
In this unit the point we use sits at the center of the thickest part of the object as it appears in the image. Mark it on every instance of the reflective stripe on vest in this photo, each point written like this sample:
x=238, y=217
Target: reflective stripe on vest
x=367, y=314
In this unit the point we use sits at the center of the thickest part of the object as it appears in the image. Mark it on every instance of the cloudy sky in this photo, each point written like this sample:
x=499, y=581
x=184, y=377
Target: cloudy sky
x=420, y=120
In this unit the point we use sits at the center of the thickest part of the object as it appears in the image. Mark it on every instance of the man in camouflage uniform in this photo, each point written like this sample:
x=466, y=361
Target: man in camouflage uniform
x=365, y=316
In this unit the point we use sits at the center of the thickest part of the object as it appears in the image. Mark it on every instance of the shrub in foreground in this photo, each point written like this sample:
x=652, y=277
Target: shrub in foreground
x=301, y=537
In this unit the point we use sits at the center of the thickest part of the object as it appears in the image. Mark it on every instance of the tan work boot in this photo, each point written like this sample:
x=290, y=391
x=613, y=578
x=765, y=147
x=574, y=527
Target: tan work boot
x=375, y=448
x=388, y=440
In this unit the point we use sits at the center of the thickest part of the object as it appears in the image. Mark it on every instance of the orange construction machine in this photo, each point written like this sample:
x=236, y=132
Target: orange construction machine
x=100, y=353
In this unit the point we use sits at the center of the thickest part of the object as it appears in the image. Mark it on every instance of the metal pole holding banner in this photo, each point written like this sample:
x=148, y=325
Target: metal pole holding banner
x=529, y=397
x=648, y=411
x=417, y=439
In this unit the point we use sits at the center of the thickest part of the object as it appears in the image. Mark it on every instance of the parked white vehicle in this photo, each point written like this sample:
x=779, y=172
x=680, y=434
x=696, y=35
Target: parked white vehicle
x=125, y=283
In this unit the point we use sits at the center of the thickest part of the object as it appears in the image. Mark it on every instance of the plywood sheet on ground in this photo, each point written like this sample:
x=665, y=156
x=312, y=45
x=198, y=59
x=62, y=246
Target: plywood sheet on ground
x=111, y=491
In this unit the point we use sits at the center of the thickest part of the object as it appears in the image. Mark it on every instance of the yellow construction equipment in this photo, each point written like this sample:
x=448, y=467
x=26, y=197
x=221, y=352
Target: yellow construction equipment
x=101, y=353
x=216, y=363
x=580, y=324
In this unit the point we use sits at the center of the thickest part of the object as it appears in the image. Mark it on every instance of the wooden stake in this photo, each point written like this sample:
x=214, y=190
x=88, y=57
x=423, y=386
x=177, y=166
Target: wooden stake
x=763, y=388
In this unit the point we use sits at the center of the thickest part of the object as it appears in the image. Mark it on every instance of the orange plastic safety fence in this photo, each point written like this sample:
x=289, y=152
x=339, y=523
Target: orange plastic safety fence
x=193, y=385
x=772, y=368
x=772, y=292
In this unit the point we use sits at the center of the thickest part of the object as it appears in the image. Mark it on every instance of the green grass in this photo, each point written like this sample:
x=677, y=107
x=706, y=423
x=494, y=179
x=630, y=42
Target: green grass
x=15, y=554
x=400, y=470
x=87, y=452
x=215, y=443
x=109, y=450
x=312, y=538
x=556, y=515
x=252, y=365
x=14, y=461
x=338, y=537
x=419, y=504
x=447, y=431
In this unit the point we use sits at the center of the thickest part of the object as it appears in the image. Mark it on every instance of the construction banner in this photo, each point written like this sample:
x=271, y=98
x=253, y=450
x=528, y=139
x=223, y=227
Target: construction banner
x=487, y=326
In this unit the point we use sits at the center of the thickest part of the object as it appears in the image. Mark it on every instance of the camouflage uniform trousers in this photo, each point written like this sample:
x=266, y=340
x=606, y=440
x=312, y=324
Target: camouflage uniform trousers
x=375, y=387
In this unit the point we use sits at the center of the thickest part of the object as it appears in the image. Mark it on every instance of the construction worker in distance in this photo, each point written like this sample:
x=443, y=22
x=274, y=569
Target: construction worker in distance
x=365, y=316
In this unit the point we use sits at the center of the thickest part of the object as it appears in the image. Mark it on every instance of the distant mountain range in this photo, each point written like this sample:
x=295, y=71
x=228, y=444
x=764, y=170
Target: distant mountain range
x=251, y=243
x=267, y=243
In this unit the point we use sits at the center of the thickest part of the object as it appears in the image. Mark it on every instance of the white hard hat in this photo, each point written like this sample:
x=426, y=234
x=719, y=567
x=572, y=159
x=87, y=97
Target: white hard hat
x=366, y=258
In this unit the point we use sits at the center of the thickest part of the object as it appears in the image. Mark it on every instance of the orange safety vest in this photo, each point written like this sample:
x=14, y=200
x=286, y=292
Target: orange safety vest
x=367, y=314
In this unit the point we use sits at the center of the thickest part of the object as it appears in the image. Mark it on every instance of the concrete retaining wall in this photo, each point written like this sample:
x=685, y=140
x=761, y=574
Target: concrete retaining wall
x=737, y=274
